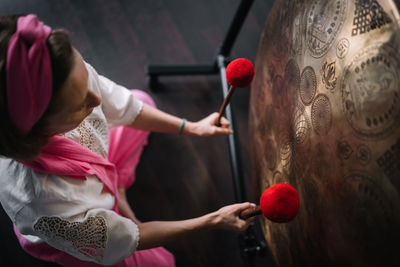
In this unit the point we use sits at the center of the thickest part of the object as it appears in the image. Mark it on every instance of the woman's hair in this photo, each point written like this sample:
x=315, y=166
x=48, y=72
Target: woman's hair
x=13, y=143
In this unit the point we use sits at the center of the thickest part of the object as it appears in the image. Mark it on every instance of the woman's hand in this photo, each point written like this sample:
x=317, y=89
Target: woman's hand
x=228, y=217
x=207, y=127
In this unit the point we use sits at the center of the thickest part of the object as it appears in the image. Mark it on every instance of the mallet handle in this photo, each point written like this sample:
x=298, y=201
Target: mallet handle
x=223, y=107
x=244, y=215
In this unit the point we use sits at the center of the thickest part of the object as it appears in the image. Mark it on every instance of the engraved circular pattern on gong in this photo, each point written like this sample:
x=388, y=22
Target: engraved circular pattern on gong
x=342, y=48
x=285, y=149
x=301, y=126
x=321, y=114
x=324, y=21
x=308, y=85
x=370, y=91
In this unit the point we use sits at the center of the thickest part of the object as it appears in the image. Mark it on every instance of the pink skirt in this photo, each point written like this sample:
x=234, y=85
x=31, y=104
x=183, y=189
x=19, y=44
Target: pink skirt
x=126, y=146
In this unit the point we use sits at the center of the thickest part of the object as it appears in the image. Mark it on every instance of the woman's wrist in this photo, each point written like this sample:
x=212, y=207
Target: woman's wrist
x=188, y=129
x=211, y=221
x=182, y=126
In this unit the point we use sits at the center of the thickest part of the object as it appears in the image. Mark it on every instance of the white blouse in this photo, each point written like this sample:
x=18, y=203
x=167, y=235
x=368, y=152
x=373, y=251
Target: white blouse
x=73, y=215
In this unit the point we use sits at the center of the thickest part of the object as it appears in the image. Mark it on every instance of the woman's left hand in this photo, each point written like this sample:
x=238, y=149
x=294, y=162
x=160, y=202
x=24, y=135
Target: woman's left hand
x=207, y=127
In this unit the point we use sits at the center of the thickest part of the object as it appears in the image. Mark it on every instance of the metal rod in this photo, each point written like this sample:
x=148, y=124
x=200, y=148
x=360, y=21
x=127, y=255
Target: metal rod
x=241, y=13
x=157, y=70
x=237, y=173
x=234, y=28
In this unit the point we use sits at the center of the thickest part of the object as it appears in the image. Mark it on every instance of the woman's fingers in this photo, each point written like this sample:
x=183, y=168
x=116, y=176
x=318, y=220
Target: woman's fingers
x=223, y=131
x=244, y=206
x=224, y=122
x=245, y=223
x=207, y=127
x=230, y=217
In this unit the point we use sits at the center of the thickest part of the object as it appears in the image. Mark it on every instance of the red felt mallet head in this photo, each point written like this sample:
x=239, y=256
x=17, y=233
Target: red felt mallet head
x=240, y=72
x=280, y=203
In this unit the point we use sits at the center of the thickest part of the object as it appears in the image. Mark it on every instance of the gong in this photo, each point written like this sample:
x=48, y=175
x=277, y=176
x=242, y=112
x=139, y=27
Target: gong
x=324, y=117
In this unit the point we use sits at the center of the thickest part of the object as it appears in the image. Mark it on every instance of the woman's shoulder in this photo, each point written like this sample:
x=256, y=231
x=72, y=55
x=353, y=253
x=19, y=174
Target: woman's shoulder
x=15, y=176
x=22, y=187
x=18, y=185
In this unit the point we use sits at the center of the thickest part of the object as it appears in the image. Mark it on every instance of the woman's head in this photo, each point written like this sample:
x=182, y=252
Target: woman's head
x=74, y=101
x=69, y=89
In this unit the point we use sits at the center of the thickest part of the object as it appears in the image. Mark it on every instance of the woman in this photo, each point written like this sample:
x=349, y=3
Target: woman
x=63, y=174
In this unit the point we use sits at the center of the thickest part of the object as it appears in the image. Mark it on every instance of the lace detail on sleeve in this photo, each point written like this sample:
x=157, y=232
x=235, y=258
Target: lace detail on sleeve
x=88, y=237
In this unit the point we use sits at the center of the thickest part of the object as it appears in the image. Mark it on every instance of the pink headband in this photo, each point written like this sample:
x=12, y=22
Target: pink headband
x=28, y=73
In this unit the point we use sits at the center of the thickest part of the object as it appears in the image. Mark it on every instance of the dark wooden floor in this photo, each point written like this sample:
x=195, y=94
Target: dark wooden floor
x=178, y=177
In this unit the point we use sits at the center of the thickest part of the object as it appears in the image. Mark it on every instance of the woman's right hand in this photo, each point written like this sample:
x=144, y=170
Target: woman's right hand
x=160, y=233
x=228, y=217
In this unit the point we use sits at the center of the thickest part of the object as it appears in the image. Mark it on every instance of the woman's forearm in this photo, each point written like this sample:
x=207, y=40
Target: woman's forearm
x=156, y=233
x=160, y=233
x=154, y=120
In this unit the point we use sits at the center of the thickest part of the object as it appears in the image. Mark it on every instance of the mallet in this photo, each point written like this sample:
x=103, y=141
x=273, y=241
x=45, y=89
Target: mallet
x=239, y=73
x=278, y=203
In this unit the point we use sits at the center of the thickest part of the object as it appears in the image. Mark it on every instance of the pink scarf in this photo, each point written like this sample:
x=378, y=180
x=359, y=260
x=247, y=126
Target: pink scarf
x=63, y=156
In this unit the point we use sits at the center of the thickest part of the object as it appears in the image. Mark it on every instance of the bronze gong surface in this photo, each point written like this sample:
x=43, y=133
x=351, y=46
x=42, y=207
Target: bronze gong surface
x=324, y=117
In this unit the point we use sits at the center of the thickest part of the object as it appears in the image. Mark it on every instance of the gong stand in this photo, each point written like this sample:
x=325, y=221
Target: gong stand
x=250, y=243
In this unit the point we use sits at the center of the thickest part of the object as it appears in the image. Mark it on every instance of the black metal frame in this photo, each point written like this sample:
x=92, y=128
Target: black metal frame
x=250, y=245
